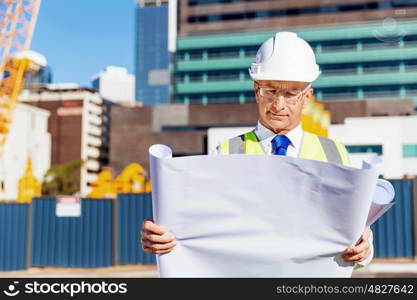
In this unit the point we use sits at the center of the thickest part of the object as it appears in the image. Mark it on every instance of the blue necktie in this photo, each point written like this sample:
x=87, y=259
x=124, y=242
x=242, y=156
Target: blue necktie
x=280, y=144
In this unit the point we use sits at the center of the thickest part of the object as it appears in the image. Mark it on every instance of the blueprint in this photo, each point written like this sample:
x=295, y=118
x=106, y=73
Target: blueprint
x=258, y=215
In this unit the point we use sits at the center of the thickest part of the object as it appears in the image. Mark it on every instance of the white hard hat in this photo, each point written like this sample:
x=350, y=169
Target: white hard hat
x=285, y=57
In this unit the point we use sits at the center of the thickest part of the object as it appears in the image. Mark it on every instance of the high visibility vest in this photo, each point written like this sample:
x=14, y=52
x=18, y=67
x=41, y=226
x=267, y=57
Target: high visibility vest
x=312, y=147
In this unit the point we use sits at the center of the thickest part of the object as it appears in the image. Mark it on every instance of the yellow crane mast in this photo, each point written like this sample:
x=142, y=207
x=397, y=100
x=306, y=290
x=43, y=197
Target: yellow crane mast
x=17, y=24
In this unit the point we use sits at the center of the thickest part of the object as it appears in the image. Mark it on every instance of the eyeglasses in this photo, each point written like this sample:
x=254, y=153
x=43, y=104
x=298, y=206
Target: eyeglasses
x=270, y=94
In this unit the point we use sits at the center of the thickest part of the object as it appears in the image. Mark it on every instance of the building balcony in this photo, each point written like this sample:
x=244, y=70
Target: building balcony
x=359, y=55
x=345, y=80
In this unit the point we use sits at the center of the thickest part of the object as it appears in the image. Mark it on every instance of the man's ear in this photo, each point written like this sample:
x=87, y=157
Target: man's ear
x=308, y=97
x=310, y=93
x=255, y=90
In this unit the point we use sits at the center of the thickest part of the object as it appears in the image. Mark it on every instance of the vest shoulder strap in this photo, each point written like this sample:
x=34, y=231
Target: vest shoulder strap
x=323, y=149
x=252, y=145
x=313, y=147
x=237, y=145
x=331, y=150
x=246, y=143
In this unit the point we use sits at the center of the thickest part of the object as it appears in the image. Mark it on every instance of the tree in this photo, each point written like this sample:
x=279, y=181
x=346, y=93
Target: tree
x=62, y=179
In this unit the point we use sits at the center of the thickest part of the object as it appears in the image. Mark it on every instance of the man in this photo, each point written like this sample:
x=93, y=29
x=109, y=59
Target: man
x=284, y=69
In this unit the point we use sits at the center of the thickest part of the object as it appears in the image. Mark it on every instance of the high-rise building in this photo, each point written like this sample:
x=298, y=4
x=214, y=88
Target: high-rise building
x=365, y=49
x=79, y=127
x=115, y=84
x=216, y=16
x=41, y=78
x=152, y=57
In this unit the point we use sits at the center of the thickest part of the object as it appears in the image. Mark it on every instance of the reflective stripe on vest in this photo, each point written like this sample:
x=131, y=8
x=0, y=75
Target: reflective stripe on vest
x=313, y=147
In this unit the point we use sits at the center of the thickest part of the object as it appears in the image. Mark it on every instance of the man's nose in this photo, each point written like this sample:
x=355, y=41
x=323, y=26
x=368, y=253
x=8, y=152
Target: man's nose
x=279, y=102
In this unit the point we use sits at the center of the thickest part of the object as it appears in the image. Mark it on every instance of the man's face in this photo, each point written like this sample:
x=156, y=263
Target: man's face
x=282, y=112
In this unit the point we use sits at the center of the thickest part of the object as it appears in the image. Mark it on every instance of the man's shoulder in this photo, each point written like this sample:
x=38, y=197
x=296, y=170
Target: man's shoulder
x=238, y=137
x=332, y=146
x=326, y=139
x=225, y=143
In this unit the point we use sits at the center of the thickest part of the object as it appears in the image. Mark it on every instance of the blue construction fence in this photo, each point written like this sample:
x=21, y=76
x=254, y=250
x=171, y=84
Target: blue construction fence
x=85, y=241
x=131, y=211
x=108, y=231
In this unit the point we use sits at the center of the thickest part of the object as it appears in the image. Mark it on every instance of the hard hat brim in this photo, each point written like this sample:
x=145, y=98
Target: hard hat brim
x=284, y=77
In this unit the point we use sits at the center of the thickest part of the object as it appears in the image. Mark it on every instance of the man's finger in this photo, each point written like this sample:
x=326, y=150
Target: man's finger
x=354, y=250
x=167, y=237
x=149, y=250
x=363, y=246
x=156, y=246
x=152, y=227
x=358, y=257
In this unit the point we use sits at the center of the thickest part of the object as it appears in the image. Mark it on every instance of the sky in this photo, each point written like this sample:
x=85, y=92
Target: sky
x=79, y=38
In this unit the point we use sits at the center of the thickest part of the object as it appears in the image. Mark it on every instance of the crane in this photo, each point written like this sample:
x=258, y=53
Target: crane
x=17, y=24
x=133, y=179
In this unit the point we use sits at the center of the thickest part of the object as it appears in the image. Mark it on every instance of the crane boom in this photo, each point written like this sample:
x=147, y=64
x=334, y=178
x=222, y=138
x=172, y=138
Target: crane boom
x=17, y=24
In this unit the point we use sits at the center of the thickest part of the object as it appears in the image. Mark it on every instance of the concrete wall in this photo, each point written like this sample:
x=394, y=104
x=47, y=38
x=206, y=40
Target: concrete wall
x=354, y=108
x=28, y=137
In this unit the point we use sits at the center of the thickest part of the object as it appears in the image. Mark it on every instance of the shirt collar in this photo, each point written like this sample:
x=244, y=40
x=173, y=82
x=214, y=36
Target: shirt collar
x=295, y=135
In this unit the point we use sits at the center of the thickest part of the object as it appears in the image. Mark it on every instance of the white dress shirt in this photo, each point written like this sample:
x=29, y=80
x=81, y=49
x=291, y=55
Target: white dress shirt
x=265, y=137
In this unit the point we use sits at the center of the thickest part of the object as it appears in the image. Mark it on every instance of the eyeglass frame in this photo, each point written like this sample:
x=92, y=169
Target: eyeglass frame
x=297, y=97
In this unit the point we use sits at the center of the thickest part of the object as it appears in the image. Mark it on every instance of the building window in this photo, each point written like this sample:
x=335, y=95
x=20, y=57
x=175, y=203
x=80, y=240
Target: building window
x=196, y=76
x=250, y=97
x=339, y=93
x=223, y=75
x=196, y=54
x=223, y=97
x=223, y=52
x=179, y=77
x=338, y=45
x=381, y=66
x=340, y=68
x=291, y=11
x=365, y=149
x=195, y=99
x=251, y=50
x=381, y=91
x=410, y=150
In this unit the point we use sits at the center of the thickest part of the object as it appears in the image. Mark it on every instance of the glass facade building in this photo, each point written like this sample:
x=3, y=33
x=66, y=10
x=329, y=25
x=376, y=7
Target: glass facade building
x=152, y=57
x=358, y=61
x=43, y=77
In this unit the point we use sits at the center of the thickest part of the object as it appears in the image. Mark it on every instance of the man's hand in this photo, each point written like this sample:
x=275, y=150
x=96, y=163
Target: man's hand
x=360, y=251
x=155, y=239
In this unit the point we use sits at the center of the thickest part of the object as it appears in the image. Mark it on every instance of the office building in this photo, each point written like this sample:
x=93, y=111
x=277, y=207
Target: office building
x=199, y=17
x=78, y=125
x=358, y=61
x=151, y=52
